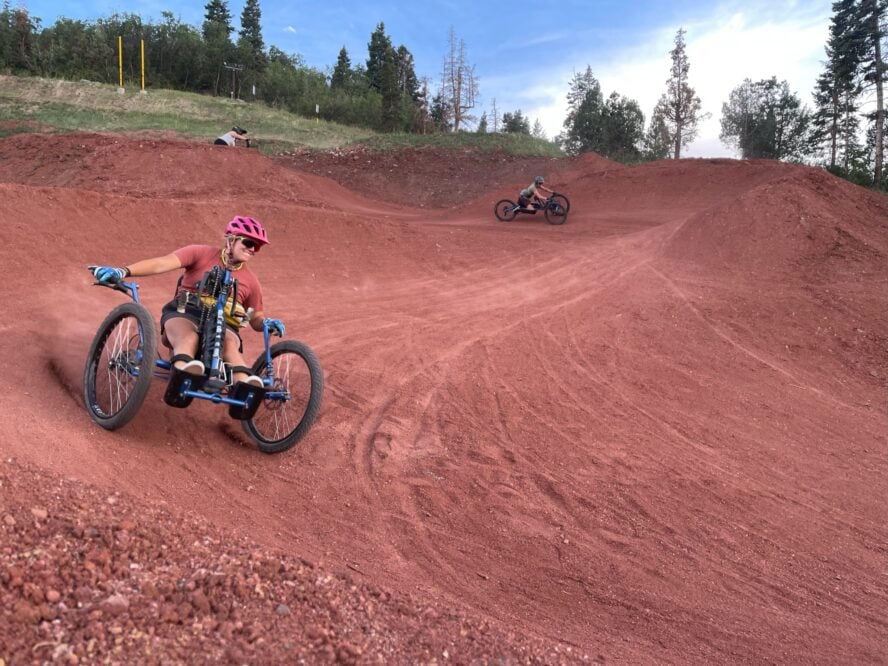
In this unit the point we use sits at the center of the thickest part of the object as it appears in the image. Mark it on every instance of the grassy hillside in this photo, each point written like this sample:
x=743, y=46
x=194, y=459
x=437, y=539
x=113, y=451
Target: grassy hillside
x=35, y=104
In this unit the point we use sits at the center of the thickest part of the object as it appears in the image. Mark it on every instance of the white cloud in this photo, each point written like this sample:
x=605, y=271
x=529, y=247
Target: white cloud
x=722, y=50
x=722, y=57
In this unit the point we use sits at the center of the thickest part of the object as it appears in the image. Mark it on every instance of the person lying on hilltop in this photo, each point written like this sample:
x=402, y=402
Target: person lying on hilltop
x=232, y=136
x=530, y=195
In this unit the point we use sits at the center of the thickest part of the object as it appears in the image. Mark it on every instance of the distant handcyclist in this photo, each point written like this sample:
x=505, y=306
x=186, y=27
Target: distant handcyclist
x=231, y=137
x=529, y=195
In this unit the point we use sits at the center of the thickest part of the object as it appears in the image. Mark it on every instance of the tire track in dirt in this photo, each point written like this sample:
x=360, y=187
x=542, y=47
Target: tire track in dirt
x=387, y=443
x=770, y=363
x=712, y=557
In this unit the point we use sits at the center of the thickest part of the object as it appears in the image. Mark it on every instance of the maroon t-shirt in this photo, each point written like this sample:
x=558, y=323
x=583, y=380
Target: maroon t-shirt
x=198, y=259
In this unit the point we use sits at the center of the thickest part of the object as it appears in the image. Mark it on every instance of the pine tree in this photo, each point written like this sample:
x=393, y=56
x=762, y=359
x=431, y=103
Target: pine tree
x=623, y=129
x=217, y=38
x=440, y=113
x=391, y=95
x=342, y=71
x=251, y=36
x=585, y=106
x=379, y=47
x=765, y=120
x=835, y=119
x=657, y=143
x=613, y=128
x=679, y=106
x=739, y=117
x=412, y=103
x=516, y=123
x=871, y=19
x=217, y=18
x=422, y=109
x=408, y=84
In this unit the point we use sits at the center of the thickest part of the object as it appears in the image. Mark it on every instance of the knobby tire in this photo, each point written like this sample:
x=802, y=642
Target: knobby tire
x=120, y=365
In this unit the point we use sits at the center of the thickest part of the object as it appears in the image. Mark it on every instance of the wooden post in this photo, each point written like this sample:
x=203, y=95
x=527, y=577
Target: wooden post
x=120, y=65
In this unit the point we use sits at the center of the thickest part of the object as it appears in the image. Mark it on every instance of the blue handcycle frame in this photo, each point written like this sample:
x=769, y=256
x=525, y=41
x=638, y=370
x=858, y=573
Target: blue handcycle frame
x=164, y=367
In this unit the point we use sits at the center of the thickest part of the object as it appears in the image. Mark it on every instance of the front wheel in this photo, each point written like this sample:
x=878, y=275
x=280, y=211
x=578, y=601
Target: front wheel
x=555, y=213
x=293, y=400
x=119, y=366
x=563, y=200
x=505, y=210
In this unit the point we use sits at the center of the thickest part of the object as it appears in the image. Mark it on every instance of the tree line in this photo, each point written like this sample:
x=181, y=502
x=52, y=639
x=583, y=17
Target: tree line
x=844, y=132
x=383, y=92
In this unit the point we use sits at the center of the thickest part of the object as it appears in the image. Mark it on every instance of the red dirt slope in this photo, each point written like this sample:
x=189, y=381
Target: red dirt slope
x=655, y=434
x=430, y=177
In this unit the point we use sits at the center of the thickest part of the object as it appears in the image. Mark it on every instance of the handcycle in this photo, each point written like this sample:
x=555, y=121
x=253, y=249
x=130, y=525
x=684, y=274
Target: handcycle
x=123, y=359
x=555, y=209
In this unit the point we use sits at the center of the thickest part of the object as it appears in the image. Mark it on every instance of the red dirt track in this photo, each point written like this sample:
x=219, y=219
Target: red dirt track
x=655, y=434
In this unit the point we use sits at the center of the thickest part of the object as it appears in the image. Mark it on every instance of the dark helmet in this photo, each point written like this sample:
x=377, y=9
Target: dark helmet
x=539, y=180
x=239, y=130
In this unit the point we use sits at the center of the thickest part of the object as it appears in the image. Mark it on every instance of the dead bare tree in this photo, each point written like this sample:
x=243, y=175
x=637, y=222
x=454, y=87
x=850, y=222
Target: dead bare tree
x=459, y=85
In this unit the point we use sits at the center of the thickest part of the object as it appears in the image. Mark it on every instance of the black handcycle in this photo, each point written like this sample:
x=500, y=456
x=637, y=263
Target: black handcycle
x=555, y=209
x=123, y=359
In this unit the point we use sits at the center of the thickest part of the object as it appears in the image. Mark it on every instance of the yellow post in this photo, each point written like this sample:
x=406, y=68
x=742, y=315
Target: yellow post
x=120, y=61
x=143, y=65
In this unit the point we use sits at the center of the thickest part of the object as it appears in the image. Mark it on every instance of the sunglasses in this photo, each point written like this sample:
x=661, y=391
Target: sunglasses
x=250, y=244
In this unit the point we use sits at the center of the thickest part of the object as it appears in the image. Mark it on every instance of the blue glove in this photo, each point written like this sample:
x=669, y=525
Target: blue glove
x=109, y=274
x=275, y=327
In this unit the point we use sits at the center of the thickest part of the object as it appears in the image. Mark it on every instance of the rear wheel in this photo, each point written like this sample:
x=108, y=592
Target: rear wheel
x=119, y=366
x=505, y=210
x=293, y=400
x=555, y=213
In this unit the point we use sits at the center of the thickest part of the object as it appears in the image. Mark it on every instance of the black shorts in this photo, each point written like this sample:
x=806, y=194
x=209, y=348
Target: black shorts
x=193, y=314
x=220, y=142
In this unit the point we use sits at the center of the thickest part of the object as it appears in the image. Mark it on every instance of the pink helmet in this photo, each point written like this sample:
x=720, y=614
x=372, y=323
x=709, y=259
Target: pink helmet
x=247, y=227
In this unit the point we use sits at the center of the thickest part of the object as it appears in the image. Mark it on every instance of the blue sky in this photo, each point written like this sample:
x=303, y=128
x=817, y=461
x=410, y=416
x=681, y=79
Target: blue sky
x=525, y=53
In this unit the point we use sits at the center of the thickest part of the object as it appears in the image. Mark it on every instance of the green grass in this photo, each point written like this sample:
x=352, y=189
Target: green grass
x=64, y=106
x=517, y=144
x=51, y=105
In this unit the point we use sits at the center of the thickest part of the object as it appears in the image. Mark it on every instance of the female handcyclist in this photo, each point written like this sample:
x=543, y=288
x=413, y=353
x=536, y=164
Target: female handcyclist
x=243, y=238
